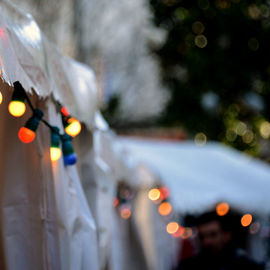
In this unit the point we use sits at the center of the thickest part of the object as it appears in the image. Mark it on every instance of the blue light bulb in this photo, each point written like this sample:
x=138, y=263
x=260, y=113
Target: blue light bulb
x=70, y=159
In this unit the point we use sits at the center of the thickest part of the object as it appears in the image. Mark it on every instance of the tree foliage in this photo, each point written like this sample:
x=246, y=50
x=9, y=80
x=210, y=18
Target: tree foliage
x=216, y=64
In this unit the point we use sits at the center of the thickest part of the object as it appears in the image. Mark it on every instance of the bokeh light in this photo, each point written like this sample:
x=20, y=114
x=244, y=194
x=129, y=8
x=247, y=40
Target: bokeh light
x=181, y=13
x=254, y=227
x=264, y=9
x=165, y=192
x=265, y=129
x=198, y=28
x=179, y=232
x=200, y=139
x=165, y=208
x=231, y=135
x=172, y=227
x=246, y=220
x=253, y=44
x=154, y=194
x=254, y=12
x=1, y=98
x=125, y=212
x=115, y=202
x=248, y=137
x=222, y=209
x=201, y=41
x=241, y=128
x=187, y=232
x=223, y=4
x=203, y=4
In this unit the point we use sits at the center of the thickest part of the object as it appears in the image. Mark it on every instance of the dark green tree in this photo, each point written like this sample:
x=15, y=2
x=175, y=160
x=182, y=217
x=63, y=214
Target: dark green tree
x=216, y=62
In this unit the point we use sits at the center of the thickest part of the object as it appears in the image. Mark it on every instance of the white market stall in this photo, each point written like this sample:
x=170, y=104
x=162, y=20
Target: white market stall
x=199, y=177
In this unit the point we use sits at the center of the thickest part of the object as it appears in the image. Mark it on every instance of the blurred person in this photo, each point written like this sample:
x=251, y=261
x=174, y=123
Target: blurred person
x=217, y=248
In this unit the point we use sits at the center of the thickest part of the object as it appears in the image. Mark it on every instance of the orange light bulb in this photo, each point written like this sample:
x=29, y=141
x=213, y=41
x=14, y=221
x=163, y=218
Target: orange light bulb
x=26, y=135
x=16, y=108
x=165, y=209
x=222, y=209
x=55, y=153
x=74, y=127
x=125, y=213
x=246, y=220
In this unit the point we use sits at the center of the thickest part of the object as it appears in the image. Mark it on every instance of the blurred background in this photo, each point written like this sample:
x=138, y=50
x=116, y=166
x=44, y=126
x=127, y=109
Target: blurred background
x=177, y=70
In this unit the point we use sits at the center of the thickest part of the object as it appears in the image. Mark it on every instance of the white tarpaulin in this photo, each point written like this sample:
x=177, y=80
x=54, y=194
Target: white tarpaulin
x=199, y=177
x=27, y=56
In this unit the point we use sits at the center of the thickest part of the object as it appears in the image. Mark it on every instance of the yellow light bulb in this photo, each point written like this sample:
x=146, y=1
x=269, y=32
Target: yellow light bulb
x=55, y=153
x=74, y=127
x=154, y=194
x=1, y=97
x=16, y=108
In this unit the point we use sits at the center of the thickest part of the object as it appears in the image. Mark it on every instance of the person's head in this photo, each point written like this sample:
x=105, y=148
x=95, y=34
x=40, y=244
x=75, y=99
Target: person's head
x=214, y=233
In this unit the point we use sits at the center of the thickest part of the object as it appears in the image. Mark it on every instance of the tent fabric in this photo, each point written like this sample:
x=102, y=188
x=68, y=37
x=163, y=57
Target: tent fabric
x=27, y=214
x=77, y=227
x=142, y=236
x=45, y=220
x=199, y=177
x=159, y=247
x=27, y=56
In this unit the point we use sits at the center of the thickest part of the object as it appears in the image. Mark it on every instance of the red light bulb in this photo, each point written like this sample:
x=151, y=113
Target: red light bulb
x=26, y=135
x=64, y=111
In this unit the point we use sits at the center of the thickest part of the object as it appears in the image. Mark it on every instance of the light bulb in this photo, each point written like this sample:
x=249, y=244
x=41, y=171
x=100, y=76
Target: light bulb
x=64, y=111
x=222, y=209
x=16, y=108
x=73, y=128
x=70, y=157
x=165, y=208
x=26, y=135
x=55, y=150
x=1, y=97
x=172, y=227
x=154, y=194
x=55, y=153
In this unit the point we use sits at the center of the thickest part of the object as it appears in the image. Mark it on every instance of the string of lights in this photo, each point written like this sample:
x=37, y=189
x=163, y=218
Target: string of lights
x=27, y=133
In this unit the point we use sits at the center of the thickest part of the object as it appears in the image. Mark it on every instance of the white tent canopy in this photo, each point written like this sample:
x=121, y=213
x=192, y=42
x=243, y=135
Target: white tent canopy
x=199, y=177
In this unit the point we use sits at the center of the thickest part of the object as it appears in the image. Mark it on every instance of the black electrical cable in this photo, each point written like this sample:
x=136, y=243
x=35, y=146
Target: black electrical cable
x=33, y=109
